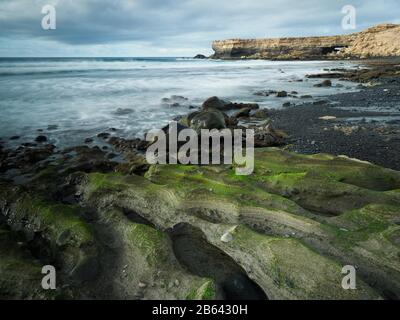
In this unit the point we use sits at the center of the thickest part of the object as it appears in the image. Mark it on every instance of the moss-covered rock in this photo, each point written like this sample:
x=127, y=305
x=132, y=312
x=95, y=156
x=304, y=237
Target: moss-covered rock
x=20, y=273
x=69, y=239
x=324, y=210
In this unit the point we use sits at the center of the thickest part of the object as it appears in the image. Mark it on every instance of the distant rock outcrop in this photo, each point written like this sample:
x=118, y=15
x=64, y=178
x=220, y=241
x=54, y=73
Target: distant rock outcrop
x=378, y=41
x=200, y=56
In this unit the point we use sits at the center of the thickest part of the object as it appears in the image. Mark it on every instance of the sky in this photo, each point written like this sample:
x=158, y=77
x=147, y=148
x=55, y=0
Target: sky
x=171, y=28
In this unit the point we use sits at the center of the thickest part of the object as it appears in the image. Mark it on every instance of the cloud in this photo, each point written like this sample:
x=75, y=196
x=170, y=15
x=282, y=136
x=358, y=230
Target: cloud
x=157, y=27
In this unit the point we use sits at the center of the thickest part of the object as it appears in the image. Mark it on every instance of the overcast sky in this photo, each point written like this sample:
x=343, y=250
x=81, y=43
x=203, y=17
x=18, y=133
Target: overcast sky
x=171, y=27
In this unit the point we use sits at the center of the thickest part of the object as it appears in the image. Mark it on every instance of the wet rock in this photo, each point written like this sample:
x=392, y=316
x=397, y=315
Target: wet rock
x=286, y=104
x=88, y=140
x=320, y=102
x=208, y=119
x=242, y=113
x=104, y=135
x=267, y=136
x=215, y=103
x=41, y=139
x=306, y=96
x=200, y=56
x=261, y=114
x=123, y=111
x=52, y=127
x=15, y=137
x=282, y=94
x=175, y=101
x=325, y=83
x=135, y=164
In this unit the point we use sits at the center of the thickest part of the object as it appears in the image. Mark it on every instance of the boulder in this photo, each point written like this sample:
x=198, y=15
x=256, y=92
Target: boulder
x=123, y=111
x=215, y=103
x=261, y=114
x=200, y=56
x=282, y=94
x=268, y=137
x=242, y=113
x=175, y=101
x=41, y=139
x=325, y=83
x=208, y=119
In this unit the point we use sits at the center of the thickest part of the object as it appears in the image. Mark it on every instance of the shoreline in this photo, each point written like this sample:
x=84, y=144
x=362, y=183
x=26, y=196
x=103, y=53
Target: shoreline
x=116, y=228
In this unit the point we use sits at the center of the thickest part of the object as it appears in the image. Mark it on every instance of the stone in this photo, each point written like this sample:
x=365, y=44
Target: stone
x=200, y=56
x=325, y=83
x=41, y=138
x=282, y=94
x=261, y=114
x=215, y=103
x=123, y=111
x=208, y=119
x=242, y=113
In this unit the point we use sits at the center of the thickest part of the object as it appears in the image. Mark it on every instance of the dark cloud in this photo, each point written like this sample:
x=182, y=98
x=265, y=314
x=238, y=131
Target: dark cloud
x=175, y=25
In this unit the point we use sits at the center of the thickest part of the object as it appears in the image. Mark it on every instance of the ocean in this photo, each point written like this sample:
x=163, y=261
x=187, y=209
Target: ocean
x=79, y=97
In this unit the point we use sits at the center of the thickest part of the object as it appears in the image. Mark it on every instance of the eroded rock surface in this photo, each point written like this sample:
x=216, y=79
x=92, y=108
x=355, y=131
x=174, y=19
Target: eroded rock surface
x=284, y=232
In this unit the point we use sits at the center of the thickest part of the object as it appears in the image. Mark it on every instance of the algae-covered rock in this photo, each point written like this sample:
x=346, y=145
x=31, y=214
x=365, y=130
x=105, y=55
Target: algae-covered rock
x=20, y=273
x=284, y=232
x=295, y=209
x=68, y=238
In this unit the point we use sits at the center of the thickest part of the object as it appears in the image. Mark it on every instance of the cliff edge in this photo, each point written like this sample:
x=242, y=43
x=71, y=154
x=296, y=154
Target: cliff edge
x=378, y=41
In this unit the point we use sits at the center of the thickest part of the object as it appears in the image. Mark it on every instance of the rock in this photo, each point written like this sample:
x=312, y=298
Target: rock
x=142, y=285
x=261, y=114
x=15, y=138
x=307, y=96
x=41, y=139
x=103, y=135
x=88, y=140
x=238, y=106
x=200, y=56
x=52, y=127
x=123, y=111
x=262, y=93
x=221, y=105
x=282, y=94
x=286, y=104
x=175, y=101
x=325, y=83
x=320, y=102
x=242, y=113
x=215, y=103
x=379, y=41
x=268, y=137
x=208, y=119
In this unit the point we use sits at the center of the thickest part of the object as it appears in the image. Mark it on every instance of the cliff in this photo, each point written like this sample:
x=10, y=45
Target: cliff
x=378, y=41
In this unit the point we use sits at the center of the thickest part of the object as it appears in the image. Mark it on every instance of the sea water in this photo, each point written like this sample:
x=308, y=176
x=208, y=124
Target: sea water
x=78, y=97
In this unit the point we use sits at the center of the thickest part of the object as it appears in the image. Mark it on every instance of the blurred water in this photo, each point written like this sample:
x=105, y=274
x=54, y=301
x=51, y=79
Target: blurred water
x=81, y=96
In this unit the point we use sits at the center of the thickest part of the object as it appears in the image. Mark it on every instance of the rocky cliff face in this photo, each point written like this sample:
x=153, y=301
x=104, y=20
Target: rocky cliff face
x=378, y=41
